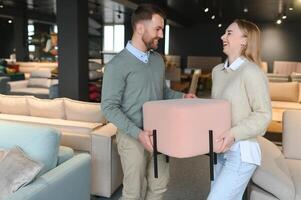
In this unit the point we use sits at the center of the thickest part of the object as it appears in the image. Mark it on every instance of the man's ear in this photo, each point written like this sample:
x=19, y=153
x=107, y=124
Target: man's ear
x=140, y=28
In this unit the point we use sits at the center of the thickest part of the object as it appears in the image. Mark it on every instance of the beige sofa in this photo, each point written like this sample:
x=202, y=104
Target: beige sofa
x=279, y=176
x=83, y=128
x=284, y=96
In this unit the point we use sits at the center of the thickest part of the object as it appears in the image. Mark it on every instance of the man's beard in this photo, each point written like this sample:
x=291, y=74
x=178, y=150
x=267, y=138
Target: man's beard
x=150, y=44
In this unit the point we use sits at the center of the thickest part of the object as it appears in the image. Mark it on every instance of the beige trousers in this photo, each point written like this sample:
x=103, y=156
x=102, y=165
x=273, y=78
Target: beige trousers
x=138, y=166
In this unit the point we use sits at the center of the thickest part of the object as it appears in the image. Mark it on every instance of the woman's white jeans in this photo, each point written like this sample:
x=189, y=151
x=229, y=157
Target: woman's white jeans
x=231, y=176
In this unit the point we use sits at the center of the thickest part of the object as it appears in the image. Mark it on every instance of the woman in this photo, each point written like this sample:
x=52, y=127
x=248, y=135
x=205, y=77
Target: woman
x=241, y=82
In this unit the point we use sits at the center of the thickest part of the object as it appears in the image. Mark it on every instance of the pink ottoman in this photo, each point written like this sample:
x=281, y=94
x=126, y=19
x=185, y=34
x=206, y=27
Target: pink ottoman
x=183, y=124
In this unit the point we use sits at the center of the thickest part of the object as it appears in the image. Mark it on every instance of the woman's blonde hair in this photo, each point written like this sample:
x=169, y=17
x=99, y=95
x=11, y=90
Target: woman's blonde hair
x=252, y=33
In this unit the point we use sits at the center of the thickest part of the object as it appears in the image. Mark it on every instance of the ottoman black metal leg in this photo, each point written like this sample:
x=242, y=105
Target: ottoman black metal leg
x=211, y=155
x=155, y=153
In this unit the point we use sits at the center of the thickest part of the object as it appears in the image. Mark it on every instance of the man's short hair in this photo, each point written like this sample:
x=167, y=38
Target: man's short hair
x=145, y=12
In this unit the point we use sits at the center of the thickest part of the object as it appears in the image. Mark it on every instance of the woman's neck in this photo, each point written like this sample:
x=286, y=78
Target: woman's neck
x=232, y=58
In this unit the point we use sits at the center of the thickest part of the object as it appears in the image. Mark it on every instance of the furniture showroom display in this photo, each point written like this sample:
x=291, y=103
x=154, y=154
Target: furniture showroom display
x=83, y=128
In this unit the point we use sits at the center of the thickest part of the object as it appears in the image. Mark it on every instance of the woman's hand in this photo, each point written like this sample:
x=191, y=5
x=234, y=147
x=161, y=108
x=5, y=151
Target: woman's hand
x=227, y=140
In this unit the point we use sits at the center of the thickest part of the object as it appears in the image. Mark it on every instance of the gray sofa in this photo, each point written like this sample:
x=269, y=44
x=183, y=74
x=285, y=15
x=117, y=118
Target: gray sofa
x=279, y=176
x=63, y=176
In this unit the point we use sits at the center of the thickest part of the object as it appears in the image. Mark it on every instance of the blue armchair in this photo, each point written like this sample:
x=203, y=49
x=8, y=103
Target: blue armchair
x=63, y=177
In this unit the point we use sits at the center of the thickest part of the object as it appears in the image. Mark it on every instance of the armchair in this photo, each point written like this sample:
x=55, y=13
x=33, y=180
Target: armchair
x=279, y=176
x=63, y=176
x=39, y=85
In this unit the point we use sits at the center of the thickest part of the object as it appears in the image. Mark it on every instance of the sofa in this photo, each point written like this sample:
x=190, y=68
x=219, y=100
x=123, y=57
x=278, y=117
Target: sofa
x=284, y=96
x=39, y=85
x=63, y=175
x=279, y=176
x=83, y=128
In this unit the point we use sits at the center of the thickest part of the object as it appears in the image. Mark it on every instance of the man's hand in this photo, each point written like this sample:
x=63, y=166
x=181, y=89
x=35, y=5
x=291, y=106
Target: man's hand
x=145, y=140
x=189, y=96
x=227, y=139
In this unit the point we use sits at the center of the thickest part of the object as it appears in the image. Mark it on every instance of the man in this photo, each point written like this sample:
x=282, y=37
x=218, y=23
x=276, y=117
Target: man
x=131, y=78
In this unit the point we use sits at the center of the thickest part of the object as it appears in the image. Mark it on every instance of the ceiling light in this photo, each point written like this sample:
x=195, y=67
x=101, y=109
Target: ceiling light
x=206, y=9
x=284, y=16
x=246, y=10
x=213, y=17
x=291, y=8
x=10, y=21
x=279, y=21
x=219, y=25
x=1, y=6
x=91, y=12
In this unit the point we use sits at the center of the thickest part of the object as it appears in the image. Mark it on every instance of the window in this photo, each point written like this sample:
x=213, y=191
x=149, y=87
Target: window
x=30, y=29
x=113, y=38
x=166, y=45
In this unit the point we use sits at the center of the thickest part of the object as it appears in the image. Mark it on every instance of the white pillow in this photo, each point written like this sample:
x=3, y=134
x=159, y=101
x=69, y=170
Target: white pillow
x=46, y=108
x=15, y=105
x=16, y=171
x=83, y=111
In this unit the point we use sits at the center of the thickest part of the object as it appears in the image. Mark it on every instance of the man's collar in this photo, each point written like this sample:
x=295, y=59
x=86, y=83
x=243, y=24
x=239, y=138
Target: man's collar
x=143, y=56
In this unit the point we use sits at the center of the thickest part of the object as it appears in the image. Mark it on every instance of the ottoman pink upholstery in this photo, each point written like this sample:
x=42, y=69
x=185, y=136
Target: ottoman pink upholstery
x=183, y=124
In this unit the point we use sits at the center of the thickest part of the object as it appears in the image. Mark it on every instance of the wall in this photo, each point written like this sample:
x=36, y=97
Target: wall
x=281, y=42
x=278, y=42
x=6, y=38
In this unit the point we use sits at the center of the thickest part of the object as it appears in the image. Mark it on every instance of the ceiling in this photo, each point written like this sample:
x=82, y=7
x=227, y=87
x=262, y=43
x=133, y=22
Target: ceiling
x=180, y=12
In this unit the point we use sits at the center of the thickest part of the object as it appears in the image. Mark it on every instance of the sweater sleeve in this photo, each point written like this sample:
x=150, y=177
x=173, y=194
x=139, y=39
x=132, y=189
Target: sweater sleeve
x=171, y=94
x=112, y=91
x=256, y=88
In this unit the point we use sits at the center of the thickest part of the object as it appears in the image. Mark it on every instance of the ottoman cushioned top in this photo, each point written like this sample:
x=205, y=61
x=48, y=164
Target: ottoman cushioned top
x=183, y=124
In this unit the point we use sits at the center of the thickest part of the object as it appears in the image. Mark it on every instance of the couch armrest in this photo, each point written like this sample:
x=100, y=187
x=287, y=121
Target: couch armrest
x=18, y=84
x=107, y=130
x=106, y=166
x=54, y=91
x=70, y=180
x=4, y=87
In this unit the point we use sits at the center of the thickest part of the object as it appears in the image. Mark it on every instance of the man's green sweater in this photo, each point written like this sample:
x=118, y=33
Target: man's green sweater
x=127, y=84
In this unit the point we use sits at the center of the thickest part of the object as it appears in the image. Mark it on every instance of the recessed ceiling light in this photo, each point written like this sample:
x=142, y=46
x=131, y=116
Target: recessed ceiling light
x=279, y=21
x=284, y=17
x=219, y=25
x=213, y=17
x=291, y=8
x=206, y=9
x=1, y=6
x=246, y=10
x=10, y=21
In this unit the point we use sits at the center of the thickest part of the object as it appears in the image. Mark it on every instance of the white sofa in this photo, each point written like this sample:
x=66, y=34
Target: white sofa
x=83, y=128
x=39, y=85
x=279, y=176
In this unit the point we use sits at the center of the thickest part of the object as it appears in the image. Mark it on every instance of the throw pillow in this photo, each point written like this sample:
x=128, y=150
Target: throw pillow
x=83, y=111
x=16, y=171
